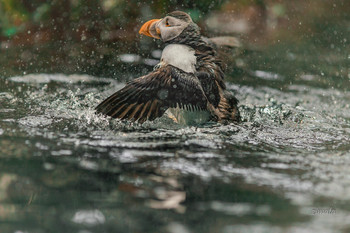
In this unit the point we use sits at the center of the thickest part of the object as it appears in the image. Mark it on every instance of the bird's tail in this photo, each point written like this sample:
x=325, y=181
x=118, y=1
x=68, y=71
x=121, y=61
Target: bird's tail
x=228, y=107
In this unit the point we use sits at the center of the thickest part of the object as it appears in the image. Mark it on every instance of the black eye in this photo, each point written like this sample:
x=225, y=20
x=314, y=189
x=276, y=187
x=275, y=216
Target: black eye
x=167, y=23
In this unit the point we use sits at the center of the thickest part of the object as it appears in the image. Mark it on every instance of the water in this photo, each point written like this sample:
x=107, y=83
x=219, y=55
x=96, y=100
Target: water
x=285, y=168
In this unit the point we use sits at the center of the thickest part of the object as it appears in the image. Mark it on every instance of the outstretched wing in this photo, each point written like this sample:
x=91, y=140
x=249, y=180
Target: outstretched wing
x=149, y=96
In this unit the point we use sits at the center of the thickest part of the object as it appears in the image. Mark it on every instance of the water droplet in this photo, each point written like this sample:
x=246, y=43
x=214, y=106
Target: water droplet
x=163, y=94
x=89, y=217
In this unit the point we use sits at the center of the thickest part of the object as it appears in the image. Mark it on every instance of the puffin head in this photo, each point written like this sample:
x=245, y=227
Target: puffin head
x=172, y=27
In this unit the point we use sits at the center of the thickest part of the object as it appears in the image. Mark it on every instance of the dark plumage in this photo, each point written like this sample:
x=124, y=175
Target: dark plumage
x=189, y=76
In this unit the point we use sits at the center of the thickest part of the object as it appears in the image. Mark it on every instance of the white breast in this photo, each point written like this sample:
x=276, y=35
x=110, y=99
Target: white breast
x=180, y=56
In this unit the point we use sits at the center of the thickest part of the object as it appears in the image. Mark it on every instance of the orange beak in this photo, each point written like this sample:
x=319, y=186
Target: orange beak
x=149, y=29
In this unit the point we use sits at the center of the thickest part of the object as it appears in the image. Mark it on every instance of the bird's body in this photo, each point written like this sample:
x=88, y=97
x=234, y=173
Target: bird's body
x=188, y=117
x=188, y=83
x=183, y=57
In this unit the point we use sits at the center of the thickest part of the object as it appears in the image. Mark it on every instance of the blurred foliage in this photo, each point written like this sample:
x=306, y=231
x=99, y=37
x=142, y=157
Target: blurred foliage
x=80, y=35
x=86, y=36
x=17, y=15
x=97, y=16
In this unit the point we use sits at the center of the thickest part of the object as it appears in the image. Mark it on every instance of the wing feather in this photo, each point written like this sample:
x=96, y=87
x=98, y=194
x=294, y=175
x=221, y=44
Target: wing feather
x=136, y=110
x=142, y=117
x=148, y=97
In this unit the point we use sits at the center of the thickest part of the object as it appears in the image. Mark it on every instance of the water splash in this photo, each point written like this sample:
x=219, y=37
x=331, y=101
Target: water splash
x=285, y=144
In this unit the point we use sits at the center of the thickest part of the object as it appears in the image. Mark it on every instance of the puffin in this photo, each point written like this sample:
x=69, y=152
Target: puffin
x=187, y=84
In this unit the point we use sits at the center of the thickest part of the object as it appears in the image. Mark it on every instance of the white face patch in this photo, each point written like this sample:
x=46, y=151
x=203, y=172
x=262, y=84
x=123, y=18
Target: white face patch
x=180, y=56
